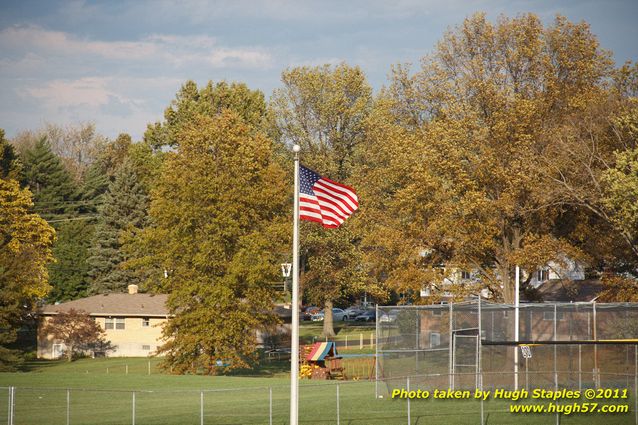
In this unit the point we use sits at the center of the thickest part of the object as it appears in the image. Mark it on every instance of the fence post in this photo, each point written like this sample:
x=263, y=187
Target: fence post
x=133, y=413
x=482, y=408
x=270, y=406
x=10, y=407
x=408, y=390
x=346, y=342
x=201, y=408
x=127, y=369
x=68, y=406
x=376, y=352
x=450, y=347
x=371, y=340
x=149, y=367
x=361, y=341
x=338, y=416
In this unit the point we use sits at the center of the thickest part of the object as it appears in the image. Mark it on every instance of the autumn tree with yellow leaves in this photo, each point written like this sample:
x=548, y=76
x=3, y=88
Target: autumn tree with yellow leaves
x=324, y=110
x=25, y=251
x=462, y=170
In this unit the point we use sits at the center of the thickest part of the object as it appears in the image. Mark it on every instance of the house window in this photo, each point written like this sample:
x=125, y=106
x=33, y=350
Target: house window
x=119, y=323
x=435, y=339
x=114, y=323
x=543, y=275
x=146, y=322
x=146, y=347
x=465, y=275
x=58, y=351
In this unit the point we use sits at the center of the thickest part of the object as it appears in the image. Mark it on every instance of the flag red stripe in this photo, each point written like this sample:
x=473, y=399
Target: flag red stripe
x=346, y=195
x=334, y=201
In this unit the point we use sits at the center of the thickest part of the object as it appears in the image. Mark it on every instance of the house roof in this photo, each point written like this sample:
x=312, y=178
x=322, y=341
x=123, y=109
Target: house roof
x=142, y=305
x=117, y=304
x=581, y=290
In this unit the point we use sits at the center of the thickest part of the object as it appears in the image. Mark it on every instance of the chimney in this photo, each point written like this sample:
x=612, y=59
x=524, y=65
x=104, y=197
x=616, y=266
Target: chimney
x=132, y=289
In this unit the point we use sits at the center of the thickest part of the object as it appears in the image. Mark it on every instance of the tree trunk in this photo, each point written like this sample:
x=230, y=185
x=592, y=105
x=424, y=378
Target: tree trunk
x=328, y=327
x=69, y=353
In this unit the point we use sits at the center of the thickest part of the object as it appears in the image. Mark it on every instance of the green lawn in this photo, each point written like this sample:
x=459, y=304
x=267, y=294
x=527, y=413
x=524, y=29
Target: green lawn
x=100, y=398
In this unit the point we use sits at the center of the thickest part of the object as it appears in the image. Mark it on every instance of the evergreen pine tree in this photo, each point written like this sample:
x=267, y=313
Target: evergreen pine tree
x=69, y=275
x=10, y=166
x=124, y=209
x=48, y=180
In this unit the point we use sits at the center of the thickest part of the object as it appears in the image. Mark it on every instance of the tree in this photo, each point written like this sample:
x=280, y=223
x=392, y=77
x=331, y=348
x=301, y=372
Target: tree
x=76, y=145
x=619, y=289
x=77, y=330
x=589, y=167
x=49, y=181
x=323, y=109
x=482, y=117
x=10, y=166
x=211, y=100
x=124, y=209
x=69, y=275
x=219, y=223
x=25, y=251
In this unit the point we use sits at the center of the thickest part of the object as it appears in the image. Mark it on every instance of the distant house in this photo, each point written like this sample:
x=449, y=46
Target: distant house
x=133, y=322
x=567, y=269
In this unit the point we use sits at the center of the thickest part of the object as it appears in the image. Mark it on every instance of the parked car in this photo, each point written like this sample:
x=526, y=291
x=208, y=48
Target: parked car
x=338, y=315
x=352, y=312
x=306, y=312
x=389, y=317
x=368, y=316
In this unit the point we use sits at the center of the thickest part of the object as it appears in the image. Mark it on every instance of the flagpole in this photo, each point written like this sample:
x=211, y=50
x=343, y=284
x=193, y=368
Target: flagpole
x=294, y=349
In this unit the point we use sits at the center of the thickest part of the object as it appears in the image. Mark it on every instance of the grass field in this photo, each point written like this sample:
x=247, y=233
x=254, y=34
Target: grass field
x=100, y=398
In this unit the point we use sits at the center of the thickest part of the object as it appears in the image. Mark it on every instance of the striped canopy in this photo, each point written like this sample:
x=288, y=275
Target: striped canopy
x=322, y=349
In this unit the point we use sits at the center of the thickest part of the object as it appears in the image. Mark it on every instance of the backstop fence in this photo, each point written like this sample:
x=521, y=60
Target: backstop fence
x=474, y=344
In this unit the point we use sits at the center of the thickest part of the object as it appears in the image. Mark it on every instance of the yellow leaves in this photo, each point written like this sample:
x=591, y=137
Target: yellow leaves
x=26, y=243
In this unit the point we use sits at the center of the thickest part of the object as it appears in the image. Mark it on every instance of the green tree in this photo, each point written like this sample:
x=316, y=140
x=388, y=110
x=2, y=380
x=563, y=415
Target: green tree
x=211, y=100
x=25, y=251
x=218, y=213
x=323, y=109
x=69, y=275
x=124, y=209
x=48, y=180
x=10, y=166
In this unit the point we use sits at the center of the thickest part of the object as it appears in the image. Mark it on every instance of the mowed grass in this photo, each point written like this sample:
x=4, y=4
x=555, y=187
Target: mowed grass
x=161, y=399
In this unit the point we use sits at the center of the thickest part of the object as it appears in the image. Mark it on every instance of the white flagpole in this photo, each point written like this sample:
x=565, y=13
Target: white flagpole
x=517, y=281
x=294, y=349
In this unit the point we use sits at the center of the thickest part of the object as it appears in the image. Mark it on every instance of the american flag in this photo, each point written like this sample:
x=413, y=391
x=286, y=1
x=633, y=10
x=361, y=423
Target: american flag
x=323, y=200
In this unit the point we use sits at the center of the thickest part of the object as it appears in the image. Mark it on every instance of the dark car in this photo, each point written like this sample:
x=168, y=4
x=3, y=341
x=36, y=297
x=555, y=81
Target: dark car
x=368, y=316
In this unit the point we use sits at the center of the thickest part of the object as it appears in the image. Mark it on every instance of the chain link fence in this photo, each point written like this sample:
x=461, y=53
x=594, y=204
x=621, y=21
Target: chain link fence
x=352, y=403
x=458, y=341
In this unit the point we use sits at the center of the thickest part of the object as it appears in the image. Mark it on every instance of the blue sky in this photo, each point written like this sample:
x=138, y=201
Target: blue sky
x=119, y=63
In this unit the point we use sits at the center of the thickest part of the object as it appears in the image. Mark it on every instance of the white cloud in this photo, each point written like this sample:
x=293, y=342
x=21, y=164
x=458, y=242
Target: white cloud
x=177, y=50
x=90, y=91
